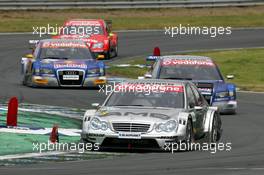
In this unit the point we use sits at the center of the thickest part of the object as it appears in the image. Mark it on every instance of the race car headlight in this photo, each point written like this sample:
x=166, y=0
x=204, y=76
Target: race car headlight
x=160, y=127
x=98, y=45
x=231, y=93
x=46, y=71
x=102, y=71
x=93, y=71
x=222, y=94
x=169, y=126
x=97, y=124
x=36, y=71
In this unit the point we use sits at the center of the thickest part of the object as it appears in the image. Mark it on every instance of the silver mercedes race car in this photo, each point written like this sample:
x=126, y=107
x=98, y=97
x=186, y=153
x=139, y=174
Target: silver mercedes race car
x=141, y=114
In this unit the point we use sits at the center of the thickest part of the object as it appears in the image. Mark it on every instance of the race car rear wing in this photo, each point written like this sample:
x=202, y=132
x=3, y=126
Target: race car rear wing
x=33, y=43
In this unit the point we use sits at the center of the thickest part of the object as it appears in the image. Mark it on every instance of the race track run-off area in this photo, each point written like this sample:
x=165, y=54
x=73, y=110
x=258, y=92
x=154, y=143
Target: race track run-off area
x=243, y=130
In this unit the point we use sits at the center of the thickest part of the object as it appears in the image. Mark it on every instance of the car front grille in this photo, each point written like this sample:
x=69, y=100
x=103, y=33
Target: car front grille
x=75, y=77
x=131, y=127
x=115, y=143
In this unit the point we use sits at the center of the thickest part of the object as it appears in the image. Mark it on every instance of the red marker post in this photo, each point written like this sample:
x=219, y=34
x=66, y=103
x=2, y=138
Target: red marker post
x=156, y=51
x=54, y=135
x=12, y=112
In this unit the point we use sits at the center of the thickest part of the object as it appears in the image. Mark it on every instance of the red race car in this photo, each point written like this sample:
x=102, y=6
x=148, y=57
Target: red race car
x=95, y=32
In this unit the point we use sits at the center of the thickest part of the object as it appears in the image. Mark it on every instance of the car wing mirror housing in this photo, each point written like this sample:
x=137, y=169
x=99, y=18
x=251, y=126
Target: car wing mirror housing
x=198, y=108
x=95, y=105
x=230, y=77
x=29, y=56
x=148, y=75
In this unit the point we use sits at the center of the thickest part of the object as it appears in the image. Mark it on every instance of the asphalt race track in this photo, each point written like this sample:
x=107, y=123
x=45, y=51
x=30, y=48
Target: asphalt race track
x=244, y=130
x=13, y=47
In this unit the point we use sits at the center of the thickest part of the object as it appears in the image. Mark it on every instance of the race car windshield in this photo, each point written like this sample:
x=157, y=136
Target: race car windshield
x=141, y=99
x=65, y=53
x=82, y=30
x=187, y=72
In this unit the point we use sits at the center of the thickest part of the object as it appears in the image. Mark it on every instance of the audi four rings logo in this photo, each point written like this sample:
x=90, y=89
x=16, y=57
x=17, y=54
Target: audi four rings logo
x=70, y=73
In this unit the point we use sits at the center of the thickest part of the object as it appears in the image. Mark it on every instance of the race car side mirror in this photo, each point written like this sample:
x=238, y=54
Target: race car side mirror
x=198, y=108
x=147, y=75
x=230, y=77
x=29, y=56
x=33, y=44
x=95, y=105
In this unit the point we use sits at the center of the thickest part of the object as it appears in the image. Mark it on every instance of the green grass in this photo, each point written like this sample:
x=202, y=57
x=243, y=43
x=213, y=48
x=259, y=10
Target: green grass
x=23, y=21
x=128, y=72
x=23, y=143
x=12, y=143
x=42, y=120
x=246, y=64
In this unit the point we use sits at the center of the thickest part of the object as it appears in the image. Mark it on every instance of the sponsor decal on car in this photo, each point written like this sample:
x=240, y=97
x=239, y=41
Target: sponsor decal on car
x=83, y=23
x=63, y=44
x=147, y=87
x=129, y=135
x=205, y=90
x=70, y=77
x=172, y=62
x=69, y=65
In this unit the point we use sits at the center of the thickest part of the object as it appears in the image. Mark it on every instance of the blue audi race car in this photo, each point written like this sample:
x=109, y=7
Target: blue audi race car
x=62, y=63
x=203, y=72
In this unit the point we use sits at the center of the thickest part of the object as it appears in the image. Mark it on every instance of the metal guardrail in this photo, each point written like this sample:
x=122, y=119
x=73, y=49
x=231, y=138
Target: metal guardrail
x=108, y=4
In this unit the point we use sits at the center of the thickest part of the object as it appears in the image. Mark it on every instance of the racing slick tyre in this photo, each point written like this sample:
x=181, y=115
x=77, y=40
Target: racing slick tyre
x=108, y=55
x=231, y=112
x=23, y=80
x=189, y=135
x=115, y=50
x=213, y=135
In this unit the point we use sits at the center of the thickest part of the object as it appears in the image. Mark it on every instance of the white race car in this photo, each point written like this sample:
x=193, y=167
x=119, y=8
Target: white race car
x=152, y=114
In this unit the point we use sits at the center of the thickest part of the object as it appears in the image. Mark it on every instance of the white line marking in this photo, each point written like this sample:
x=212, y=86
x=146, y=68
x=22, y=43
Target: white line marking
x=106, y=153
x=45, y=131
x=251, y=92
x=209, y=50
x=234, y=168
x=50, y=112
x=29, y=155
x=52, y=153
x=15, y=33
